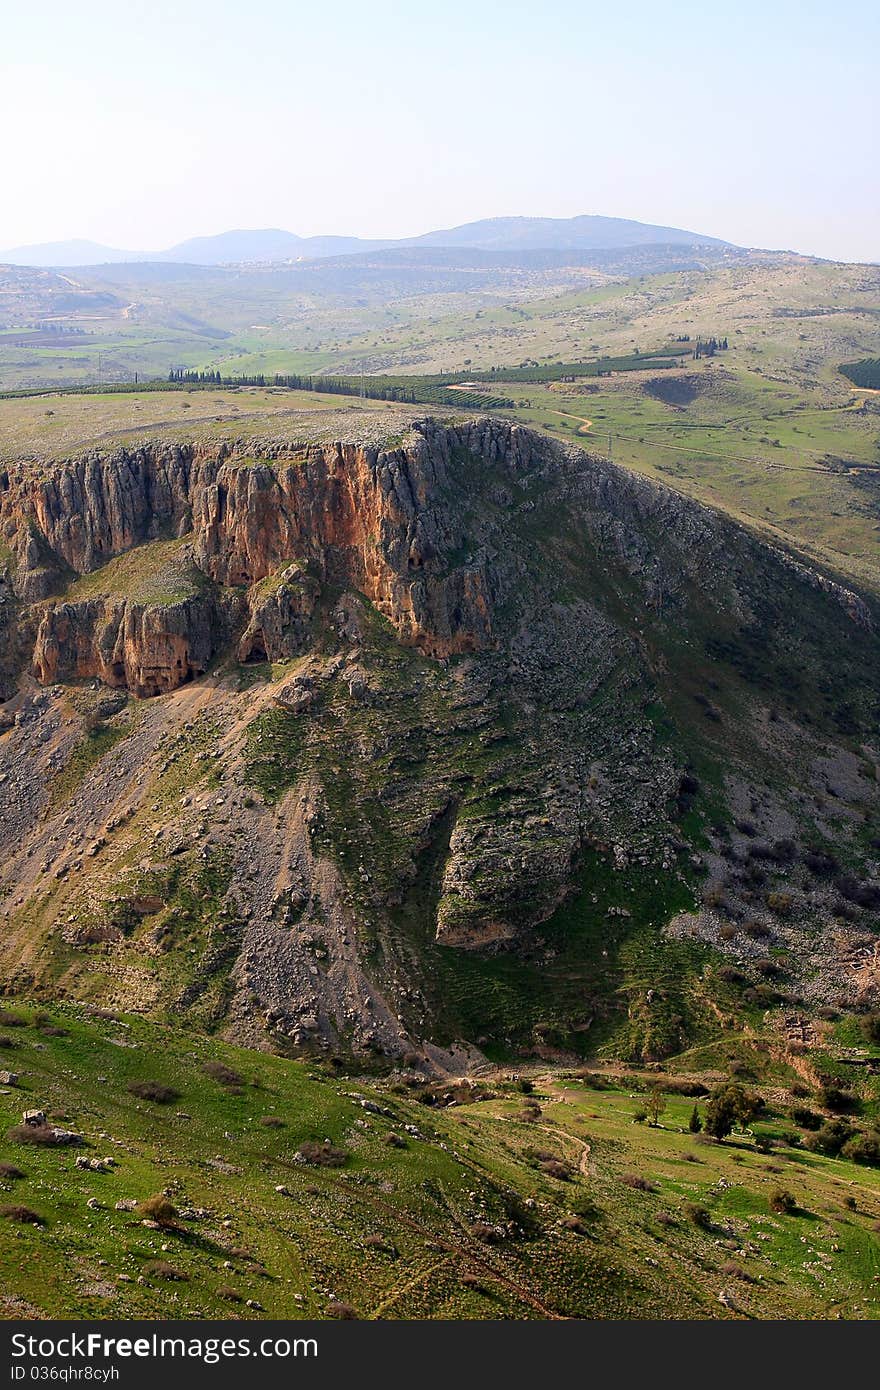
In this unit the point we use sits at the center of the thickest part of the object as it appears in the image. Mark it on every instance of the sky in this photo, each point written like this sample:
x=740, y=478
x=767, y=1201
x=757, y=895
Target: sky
x=141, y=125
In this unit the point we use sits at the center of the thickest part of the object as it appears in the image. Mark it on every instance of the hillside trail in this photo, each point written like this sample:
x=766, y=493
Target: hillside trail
x=585, y=425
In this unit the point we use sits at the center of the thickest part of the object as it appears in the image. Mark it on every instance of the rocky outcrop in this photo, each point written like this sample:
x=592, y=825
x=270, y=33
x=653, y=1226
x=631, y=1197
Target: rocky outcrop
x=147, y=649
x=280, y=617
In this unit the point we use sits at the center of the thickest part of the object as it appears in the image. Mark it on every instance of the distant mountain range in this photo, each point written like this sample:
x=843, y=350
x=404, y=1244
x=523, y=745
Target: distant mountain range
x=507, y=234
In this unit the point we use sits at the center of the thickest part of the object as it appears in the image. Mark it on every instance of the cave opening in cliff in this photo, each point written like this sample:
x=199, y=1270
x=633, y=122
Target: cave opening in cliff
x=257, y=652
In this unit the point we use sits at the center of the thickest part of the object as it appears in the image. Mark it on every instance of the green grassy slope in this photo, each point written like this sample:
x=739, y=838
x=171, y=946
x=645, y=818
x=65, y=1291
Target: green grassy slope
x=551, y=1204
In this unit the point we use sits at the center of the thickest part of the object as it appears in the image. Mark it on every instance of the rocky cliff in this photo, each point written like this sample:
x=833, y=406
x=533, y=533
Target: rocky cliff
x=518, y=699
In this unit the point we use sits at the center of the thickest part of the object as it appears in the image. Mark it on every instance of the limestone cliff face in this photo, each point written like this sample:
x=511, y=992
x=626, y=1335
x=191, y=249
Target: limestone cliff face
x=377, y=522
x=147, y=649
x=397, y=525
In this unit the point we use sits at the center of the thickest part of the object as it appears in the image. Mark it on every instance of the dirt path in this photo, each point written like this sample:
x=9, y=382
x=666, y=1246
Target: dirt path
x=585, y=425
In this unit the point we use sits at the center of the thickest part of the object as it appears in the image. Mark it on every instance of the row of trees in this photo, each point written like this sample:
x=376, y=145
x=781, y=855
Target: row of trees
x=707, y=347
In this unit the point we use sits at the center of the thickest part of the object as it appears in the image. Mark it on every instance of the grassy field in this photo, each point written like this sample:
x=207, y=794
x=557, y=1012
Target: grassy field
x=795, y=462
x=543, y=1199
x=55, y=426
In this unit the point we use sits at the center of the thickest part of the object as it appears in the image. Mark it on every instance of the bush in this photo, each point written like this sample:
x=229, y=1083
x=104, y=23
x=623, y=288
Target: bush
x=686, y=1088
x=25, y=1215
x=523, y=1084
x=695, y=1124
x=640, y=1116
x=158, y=1209
x=343, y=1311
x=153, y=1090
x=806, y=1118
x=698, y=1215
x=636, y=1181
x=830, y=1139
x=324, y=1155
x=11, y=1020
x=782, y=1202
x=272, y=1121
x=863, y=1148
x=871, y=1027
x=841, y=1102
x=757, y=930
x=218, y=1071
x=593, y=1079
x=554, y=1169
x=229, y=1294
x=394, y=1141
x=37, y=1134
x=482, y=1231
x=575, y=1224
x=161, y=1269
x=9, y=1172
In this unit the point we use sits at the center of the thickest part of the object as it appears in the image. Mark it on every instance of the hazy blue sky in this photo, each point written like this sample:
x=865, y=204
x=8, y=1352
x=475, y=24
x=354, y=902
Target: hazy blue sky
x=139, y=125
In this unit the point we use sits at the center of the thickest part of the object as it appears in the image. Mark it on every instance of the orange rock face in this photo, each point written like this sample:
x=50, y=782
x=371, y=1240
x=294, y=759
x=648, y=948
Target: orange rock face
x=342, y=515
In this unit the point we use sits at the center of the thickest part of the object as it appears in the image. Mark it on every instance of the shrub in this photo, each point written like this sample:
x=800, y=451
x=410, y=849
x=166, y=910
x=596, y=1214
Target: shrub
x=767, y=966
x=229, y=1294
x=782, y=1202
x=161, y=1269
x=806, y=1118
x=158, y=1209
x=342, y=1311
x=640, y=1116
x=11, y=1020
x=636, y=1181
x=698, y=1215
x=757, y=930
x=695, y=1124
x=272, y=1121
x=482, y=1231
x=471, y=1281
x=871, y=1027
x=324, y=1155
x=841, y=1102
x=394, y=1141
x=37, y=1134
x=374, y=1242
x=735, y=1271
x=593, y=1079
x=218, y=1071
x=523, y=1084
x=153, y=1090
x=863, y=1148
x=9, y=1172
x=554, y=1169
x=26, y=1215
x=729, y=975
x=686, y=1088
x=575, y=1224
